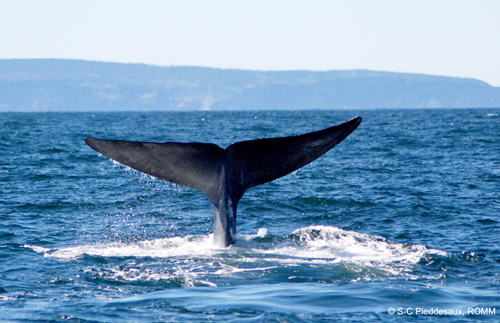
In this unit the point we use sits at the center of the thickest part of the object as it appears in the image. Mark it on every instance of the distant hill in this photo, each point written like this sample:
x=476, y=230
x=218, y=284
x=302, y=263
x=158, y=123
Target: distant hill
x=76, y=85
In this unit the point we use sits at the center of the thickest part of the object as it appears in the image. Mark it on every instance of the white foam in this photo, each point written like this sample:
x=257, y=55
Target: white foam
x=310, y=245
x=189, y=276
x=261, y=233
x=325, y=243
x=37, y=248
x=157, y=248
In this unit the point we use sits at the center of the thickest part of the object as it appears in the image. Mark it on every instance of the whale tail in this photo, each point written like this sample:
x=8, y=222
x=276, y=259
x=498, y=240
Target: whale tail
x=224, y=174
x=195, y=165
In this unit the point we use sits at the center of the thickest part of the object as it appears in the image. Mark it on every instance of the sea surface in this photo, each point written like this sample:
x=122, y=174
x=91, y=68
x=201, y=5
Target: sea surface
x=399, y=222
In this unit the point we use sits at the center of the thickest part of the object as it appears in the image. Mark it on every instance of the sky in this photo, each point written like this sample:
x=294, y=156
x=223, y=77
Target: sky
x=439, y=37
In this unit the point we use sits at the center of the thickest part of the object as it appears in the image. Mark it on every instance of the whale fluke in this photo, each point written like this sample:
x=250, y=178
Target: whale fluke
x=194, y=165
x=224, y=174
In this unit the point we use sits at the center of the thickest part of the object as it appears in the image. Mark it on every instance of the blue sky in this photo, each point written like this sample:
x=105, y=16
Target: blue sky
x=443, y=37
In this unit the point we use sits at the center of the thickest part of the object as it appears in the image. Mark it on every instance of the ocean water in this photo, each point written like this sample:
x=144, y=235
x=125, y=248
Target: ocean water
x=401, y=221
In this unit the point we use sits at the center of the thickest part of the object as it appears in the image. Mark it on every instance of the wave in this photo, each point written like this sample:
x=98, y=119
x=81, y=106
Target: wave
x=334, y=244
x=157, y=248
x=305, y=246
x=322, y=254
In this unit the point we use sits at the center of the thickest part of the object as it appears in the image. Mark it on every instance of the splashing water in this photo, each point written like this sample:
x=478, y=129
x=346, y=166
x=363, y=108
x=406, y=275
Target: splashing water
x=309, y=246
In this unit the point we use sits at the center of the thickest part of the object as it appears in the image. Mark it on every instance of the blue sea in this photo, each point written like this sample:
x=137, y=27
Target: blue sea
x=399, y=222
